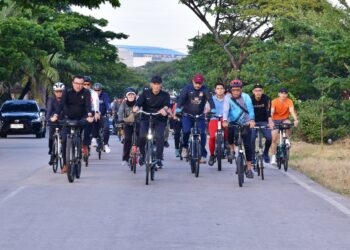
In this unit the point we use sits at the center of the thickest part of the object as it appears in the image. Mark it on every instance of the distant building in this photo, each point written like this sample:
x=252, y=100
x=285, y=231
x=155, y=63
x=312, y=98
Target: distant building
x=136, y=56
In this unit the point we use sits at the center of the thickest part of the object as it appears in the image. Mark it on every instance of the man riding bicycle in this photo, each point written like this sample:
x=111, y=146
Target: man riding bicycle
x=76, y=105
x=281, y=108
x=262, y=111
x=238, y=108
x=192, y=100
x=53, y=102
x=126, y=115
x=153, y=100
x=94, y=108
x=105, y=109
x=218, y=99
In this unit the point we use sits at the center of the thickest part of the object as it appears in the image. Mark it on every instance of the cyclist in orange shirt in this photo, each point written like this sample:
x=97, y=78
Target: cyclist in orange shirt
x=281, y=108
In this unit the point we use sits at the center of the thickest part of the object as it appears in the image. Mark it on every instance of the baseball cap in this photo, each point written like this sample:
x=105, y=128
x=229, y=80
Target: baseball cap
x=198, y=78
x=156, y=79
x=283, y=90
x=258, y=86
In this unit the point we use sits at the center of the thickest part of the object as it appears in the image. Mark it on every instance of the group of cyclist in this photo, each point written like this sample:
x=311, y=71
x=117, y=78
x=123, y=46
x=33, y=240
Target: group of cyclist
x=227, y=105
x=90, y=106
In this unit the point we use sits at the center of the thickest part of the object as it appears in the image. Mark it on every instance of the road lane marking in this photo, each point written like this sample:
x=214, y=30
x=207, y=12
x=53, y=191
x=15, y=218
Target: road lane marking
x=12, y=194
x=323, y=196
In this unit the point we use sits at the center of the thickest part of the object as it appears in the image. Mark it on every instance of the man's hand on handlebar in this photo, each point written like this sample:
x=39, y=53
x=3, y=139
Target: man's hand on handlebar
x=54, y=118
x=97, y=116
x=225, y=124
x=135, y=109
x=252, y=124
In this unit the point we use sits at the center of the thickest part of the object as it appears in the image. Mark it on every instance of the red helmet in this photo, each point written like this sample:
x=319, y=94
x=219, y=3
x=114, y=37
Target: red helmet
x=236, y=83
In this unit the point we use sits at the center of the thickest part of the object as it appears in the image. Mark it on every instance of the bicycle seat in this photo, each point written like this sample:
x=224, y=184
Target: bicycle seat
x=72, y=123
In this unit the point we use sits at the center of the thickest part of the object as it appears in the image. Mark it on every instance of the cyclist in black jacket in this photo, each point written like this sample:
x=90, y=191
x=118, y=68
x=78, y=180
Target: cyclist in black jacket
x=153, y=100
x=262, y=110
x=76, y=105
x=53, y=102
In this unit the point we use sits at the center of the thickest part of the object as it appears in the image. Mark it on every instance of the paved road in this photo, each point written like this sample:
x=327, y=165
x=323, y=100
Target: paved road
x=111, y=208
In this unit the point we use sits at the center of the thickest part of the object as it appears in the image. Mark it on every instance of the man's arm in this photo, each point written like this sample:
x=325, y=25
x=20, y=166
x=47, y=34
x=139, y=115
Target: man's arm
x=250, y=108
x=60, y=107
x=107, y=102
x=49, y=109
x=121, y=112
x=88, y=103
x=183, y=97
x=209, y=98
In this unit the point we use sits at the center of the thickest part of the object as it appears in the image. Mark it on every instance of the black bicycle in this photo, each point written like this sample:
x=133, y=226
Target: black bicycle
x=241, y=163
x=73, y=149
x=56, y=152
x=99, y=139
x=282, y=156
x=194, y=145
x=220, y=150
x=134, y=152
x=151, y=149
x=259, y=153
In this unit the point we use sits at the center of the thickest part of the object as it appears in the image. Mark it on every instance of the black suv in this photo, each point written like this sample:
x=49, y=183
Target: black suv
x=22, y=117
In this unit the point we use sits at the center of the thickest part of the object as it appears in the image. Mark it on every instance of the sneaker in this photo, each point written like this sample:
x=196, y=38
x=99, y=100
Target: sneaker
x=177, y=152
x=211, y=160
x=94, y=143
x=254, y=162
x=184, y=153
x=64, y=169
x=124, y=163
x=141, y=160
x=231, y=156
x=107, y=149
x=166, y=144
x=51, y=161
x=273, y=160
x=250, y=174
x=267, y=158
x=288, y=143
x=203, y=160
x=159, y=164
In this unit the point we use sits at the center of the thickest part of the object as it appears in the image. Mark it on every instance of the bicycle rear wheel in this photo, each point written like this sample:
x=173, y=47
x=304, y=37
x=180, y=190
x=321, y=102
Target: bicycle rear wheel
x=70, y=154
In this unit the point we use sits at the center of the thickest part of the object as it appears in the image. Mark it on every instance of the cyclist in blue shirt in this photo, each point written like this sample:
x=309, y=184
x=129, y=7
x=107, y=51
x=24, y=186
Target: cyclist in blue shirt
x=238, y=108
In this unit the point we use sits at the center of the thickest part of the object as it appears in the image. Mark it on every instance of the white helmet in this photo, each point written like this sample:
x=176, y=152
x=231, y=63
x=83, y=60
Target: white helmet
x=58, y=86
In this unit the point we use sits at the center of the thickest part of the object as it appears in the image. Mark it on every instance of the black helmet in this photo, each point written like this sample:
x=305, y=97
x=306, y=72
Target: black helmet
x=97, y=86
x=129, y=91
x=87, y=79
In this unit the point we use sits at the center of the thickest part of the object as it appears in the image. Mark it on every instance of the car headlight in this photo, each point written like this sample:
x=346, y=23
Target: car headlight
x=149, y=136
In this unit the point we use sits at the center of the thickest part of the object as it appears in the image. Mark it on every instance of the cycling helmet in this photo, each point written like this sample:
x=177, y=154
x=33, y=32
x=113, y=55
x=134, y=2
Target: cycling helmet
x=236, y=83
x=129, y=91
x=97, y=86
x=87, y=79
x=58, y=86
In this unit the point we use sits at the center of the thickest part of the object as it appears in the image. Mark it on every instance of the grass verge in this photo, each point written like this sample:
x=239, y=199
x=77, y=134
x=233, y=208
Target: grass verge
x=330, y=167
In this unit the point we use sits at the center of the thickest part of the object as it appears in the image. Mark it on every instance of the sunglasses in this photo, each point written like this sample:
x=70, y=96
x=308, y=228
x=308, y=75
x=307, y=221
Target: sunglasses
x=98, y=90
x=87, y=84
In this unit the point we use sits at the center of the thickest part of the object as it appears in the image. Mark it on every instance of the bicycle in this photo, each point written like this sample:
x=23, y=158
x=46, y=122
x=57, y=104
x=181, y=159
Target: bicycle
x=99, y=139
x=282, y=155
x=73, y=149
x=241, y=163
x=194, y=145
x=151, y=149
x=220, y=149
x=259, y=153
x=134, y=152
x=56, y=153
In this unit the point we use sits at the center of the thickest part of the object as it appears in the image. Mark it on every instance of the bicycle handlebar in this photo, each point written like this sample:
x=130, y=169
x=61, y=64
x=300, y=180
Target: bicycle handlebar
x=283, y=126
x=148, y=114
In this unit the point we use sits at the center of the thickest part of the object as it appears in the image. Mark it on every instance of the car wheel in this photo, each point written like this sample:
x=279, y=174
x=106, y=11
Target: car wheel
x=3, y=135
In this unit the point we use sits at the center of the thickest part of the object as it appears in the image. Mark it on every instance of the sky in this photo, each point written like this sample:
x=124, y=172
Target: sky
x=161, y=23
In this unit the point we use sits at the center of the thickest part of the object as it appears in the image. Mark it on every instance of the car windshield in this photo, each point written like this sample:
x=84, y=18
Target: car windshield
x=23, y=107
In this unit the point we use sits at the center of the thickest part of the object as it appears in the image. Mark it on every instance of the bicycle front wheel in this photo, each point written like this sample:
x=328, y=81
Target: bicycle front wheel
x=198, y=157
x=54, y=156
x=261, y=167
x=285, y=162
x=70, y=154
x=219, y=152
x=148, y=161
x=240, y=170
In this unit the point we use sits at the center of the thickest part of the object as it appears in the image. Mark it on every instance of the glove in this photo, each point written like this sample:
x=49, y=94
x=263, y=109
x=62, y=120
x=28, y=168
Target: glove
x=178, y=110
x=213, y=111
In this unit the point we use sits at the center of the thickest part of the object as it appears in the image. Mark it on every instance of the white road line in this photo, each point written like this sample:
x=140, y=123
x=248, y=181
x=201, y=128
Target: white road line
x=12, y=194
x=323, y=196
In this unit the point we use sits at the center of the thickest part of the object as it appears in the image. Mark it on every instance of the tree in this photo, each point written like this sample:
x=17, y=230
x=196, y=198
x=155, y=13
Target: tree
x=242, y=20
